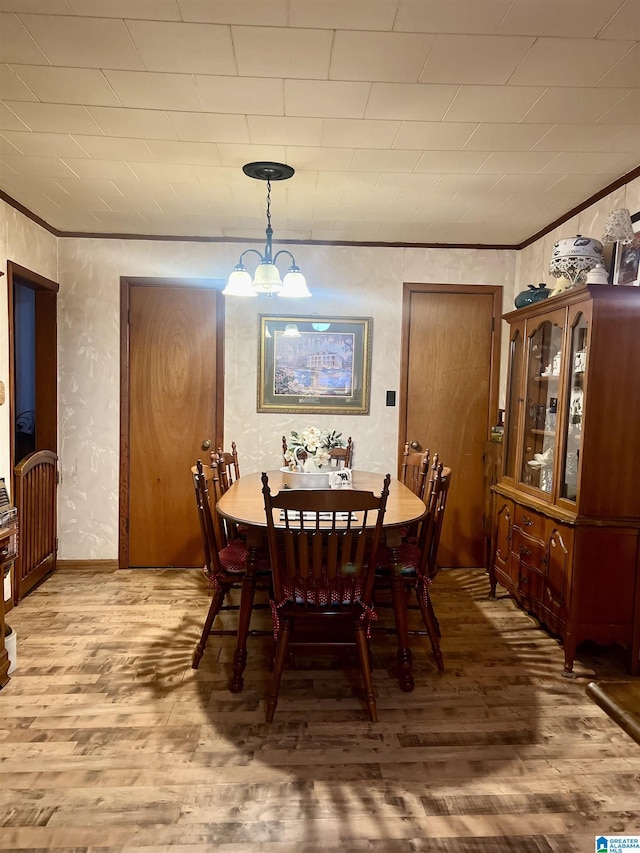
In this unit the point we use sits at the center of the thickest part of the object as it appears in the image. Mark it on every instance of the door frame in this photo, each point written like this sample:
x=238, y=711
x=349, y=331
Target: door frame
x=409, y=288
x=126, y=284
x=46, y=366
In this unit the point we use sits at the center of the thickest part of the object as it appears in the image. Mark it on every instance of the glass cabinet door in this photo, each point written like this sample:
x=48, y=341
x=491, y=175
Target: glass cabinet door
x=542, y=391
x=514, y=390
x=574, y=407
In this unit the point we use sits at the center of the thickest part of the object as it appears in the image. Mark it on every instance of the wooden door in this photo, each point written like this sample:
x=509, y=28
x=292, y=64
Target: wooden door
x=171, y=405
x=449, y=399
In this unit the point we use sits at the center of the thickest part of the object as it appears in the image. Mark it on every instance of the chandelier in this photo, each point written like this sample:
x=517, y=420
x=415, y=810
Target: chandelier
x=266, y=278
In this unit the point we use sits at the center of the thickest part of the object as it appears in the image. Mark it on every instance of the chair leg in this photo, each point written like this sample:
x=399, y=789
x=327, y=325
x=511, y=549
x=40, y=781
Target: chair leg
x=216, y=603
x=365, y=664
x=278, y=666
x=405, y=661
x=433, y=633
x=434, y=618
x=244, y=620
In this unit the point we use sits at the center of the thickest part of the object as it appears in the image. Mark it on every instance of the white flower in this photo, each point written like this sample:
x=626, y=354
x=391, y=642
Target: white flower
x=314, y=442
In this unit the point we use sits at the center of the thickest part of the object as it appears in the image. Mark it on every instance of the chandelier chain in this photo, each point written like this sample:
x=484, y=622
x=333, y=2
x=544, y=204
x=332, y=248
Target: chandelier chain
x=269, y=204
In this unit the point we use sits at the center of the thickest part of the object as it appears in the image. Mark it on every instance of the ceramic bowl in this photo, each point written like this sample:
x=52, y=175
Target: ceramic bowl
x=305, y=480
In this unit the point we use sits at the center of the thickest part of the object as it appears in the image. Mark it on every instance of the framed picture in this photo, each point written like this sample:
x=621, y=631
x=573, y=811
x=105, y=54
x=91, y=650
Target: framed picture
x=625, y=261
x=314, y=364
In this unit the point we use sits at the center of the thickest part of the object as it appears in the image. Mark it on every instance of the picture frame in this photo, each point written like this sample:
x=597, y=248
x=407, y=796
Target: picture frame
x=314, y=364
x=625, y=260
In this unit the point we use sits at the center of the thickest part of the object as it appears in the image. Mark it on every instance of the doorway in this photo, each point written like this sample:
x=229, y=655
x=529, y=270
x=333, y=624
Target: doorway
x=33, y=402
x=171, y=413
x=449, y=399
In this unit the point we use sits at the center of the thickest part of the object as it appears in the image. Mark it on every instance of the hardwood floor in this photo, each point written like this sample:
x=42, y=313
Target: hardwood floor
x=109, y=741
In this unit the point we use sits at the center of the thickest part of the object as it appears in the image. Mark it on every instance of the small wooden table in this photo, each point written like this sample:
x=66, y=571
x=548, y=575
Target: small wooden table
x=243, y=504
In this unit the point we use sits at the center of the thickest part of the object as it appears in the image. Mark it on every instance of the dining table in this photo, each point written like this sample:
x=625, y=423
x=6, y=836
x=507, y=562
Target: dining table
x=243, y=504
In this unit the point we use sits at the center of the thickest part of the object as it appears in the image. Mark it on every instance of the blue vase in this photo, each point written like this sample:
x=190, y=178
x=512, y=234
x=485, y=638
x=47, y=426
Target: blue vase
x=533, y=293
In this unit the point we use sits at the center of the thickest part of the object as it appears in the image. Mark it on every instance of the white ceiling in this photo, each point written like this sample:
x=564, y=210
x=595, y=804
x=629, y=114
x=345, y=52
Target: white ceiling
x=414, y=121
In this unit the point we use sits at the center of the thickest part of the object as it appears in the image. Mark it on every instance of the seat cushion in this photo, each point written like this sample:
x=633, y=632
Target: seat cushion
x=233, y=559
x=408, y=559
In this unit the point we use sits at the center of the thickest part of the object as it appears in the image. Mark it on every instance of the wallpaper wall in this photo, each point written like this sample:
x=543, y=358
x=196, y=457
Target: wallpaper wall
x=359, y=281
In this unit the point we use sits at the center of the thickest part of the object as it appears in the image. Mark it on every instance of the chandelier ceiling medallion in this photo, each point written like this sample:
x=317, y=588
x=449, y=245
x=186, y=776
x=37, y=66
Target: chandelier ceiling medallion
x=266, y=278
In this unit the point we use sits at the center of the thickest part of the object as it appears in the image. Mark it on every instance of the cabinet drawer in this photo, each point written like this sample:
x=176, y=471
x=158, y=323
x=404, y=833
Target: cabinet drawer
x=529, y=522
x=527, y=549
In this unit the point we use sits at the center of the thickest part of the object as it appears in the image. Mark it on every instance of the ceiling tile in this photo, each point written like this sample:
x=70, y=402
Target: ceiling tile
x=626, y=110
x=338, y=15
x=44, y=144
x=114, y=148
x=476, y=59
x=9, y=120
x=183, y=48
x=573, y=18
x=504, y=104
x=591, y=163
x=93, y=170
x=12, y=88
x=54, y=118
x=208, y=127
x=433, y=135
x=338, y=182
x=626, y=72
x=164, y=172
x=82, y=42
x=386, y=57
x=156, y=10
x=253, y=12
x=454, y=16
x=418, y=184
x=250, y=95
x=52, y=167
x=372, y=160
x=149, y=124
x=566, y=62
x=66, y=85
x=271, y=52
x=147, y=90
x=328, y=98
x=284, y=130
x=568, y=105
x=238, y=155
x=626, y=141
x=506, y=137
x=410, y=101
x=325, y=159
x=451, y=161
x=455, y=183
x=43, y=7
x=516, y=162
x=201, y=153
x=578, y=137
x=625, y=24
x=16, y=44
x=347, y=133
x=524, y=183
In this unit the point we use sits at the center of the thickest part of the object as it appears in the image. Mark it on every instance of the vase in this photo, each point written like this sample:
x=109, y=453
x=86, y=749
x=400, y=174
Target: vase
x=533, y=293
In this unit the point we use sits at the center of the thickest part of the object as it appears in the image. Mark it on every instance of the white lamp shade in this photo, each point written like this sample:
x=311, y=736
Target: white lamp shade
x=266, y=279
x=239, y=284
x=291, y=331
x=618, y=228
x=294, y=285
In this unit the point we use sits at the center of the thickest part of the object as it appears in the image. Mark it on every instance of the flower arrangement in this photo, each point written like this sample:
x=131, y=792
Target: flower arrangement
x=310, y=448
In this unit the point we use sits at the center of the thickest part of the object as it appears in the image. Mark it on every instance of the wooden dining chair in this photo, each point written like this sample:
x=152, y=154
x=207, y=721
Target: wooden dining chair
x=414, y=474
x=341, y=457
x=228, y=465
x=414, y=565
x=226, y=566
x=323, y=564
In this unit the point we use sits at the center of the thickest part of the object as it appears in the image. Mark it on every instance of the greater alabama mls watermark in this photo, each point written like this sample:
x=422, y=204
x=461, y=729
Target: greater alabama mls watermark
x=617, y=843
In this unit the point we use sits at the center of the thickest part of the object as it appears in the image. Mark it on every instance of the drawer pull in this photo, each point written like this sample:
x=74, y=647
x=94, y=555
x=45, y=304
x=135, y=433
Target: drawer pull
x=524, y=551
x=526, y=521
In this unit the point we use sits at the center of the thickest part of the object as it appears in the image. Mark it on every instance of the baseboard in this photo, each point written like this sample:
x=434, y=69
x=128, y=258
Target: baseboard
x=94, y=565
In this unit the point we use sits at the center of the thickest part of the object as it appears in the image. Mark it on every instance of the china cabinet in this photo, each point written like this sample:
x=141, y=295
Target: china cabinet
x=566, y=511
